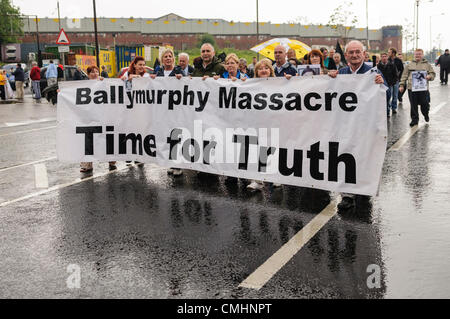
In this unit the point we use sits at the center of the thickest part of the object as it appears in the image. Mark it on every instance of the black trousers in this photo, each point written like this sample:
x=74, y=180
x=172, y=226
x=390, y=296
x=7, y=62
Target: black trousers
x=421, y=98
x=2, y=92
x=444, y=75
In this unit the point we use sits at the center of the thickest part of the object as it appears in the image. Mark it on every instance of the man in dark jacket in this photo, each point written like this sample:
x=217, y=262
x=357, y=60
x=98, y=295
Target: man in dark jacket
x=183, y=64
x=77, y=76
x=444, y=63
x=207, y=64
x=281, y=66
x=19, y=76
x=399, y=65
x=390, y=73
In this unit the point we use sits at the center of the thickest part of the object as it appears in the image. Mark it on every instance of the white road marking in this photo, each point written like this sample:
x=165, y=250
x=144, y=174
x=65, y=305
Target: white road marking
x=11, y=124
x=405, y=138
x=26, y=164
x=267, y=270
x=60, y=186
x=28, y=131
x=40, y=176
x=436, y=109
x=413, y=130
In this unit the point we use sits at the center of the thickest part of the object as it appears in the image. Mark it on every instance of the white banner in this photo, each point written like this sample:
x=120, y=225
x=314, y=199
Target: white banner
x=314, y=132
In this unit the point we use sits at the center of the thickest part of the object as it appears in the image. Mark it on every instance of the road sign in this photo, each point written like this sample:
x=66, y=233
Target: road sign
x=63, y=49
x=62, y=38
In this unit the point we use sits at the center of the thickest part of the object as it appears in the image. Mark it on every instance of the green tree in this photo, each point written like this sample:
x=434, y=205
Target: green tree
x=342, y=20
x=206, y=38
x=11, y=25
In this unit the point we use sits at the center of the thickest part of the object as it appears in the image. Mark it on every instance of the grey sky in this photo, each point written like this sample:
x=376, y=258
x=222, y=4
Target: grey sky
x=381, y=12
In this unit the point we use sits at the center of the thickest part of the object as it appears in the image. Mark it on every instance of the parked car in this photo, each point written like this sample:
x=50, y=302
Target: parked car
x=69, y=75
x=10, y=68
x=148, y=69
x=50, y=93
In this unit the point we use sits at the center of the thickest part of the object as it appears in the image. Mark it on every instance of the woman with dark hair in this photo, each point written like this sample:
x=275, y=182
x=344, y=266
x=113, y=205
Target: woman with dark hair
x=316, y=57
x=93, y=73
x=135, y=70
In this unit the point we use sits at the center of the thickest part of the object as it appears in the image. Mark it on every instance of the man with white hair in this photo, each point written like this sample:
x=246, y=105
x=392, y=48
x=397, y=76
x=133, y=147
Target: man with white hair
x=354, y=54
x=183, y=64
x=281, y=66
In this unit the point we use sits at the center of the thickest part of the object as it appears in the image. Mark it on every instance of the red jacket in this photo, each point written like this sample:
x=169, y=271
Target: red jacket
x=35, y=73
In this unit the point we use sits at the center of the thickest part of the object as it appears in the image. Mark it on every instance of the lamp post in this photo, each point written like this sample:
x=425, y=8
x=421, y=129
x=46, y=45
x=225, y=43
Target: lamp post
x=367, y=18
x=97, y=52
x=417, y=21
x=257, y=25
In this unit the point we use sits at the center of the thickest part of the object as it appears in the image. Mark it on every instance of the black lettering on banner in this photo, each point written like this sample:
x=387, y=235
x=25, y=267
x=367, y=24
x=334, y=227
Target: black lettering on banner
x=225, y=100
x=131, y=98
x=202, y=100
x=245, y=101
x=160, y=96
x=173, y=140
x=278, y=104
x=315, y=155
x=297, y=164
x=101, y=97
x=186, y=150
x=83, y=96
x=112, y=91
x=110, y=140
x=295, y=103
x=150, y=98
x=135, y=139
x=334, y=160
x=260, y=101
x=308, y=104
x=329, y=100
x=188, y=93
x=174, y=98
x=245, y=141
x=348, y=98
x=140, y=96
x=208, y=147
x=264, y=153
x=88, y=132
x=149, y=145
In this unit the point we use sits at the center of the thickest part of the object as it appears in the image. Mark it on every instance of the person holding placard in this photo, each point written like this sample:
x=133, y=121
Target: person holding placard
x=418, y=73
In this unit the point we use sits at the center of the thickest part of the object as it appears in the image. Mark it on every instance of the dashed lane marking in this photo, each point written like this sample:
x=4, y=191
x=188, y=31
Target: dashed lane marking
x=40, y=176
x=26, y=164
x=28, y=131
x=413, y=130
x=60, y=186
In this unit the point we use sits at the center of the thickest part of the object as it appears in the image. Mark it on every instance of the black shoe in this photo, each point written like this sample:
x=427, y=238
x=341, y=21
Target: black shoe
x=394, y=111
x=346, y=203
x=427, y=118
x=413, y=123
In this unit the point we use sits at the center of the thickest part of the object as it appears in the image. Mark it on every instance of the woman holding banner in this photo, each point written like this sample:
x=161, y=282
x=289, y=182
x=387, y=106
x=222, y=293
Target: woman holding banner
x=135, y=70
x=85, y=167
x=264, y=69
x=316, y=57
x=232, y=68
x=168, y=69
x=168, y=65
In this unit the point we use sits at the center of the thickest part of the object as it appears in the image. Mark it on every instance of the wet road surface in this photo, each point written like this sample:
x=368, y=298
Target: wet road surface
x=139, y=233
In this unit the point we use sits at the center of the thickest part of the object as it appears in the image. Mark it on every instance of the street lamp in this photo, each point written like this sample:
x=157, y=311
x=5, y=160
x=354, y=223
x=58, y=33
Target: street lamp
x=97, y=52
x=416, y=10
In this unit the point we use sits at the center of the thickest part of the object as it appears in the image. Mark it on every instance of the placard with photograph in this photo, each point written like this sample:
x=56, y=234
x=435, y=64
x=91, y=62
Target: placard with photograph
x=419, y=81
x=309, y=69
